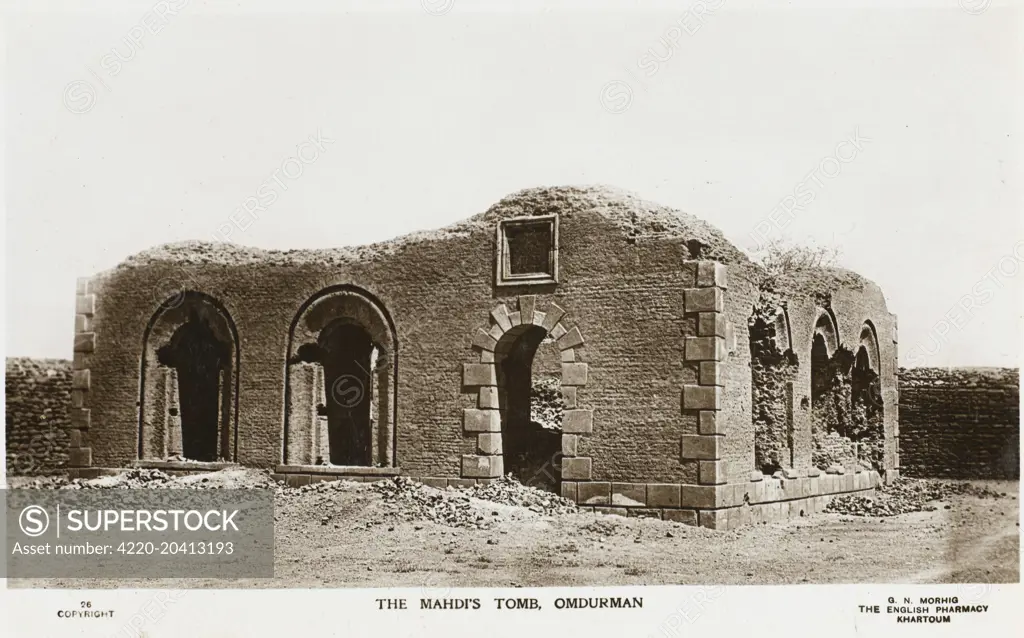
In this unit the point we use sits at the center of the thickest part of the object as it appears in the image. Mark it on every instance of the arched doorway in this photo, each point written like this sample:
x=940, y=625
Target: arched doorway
x=189, y=382
x=341, y=382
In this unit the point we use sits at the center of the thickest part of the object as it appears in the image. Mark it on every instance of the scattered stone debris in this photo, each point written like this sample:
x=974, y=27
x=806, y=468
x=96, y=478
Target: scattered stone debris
x=138, y=478
x=906, y=495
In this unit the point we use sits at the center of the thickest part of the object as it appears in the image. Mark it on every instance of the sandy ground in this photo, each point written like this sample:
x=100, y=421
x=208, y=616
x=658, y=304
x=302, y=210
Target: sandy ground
x=362, y=544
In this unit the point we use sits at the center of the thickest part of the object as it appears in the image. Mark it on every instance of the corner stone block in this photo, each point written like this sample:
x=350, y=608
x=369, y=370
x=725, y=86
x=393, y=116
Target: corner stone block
x=574, y=373
x=527, y=304
x=481, y=466
x=474, y=420
x=82, y=286
x=710, y=273
x=570, y=445
x=702, y=397
x=484, y=341
x=704, y=300
x=500, y=315
x=710, y=324
x=488, y=398
x=82, y=323
x=571, y=339
x=81, y=418
x=557, y=332
x=593, y=493
x=569, y=396
x=711, y=373
x=697, y=496
x=710, y=423
x=705, y=348
x=707, y=448
x=80, y=457
x=629, y=494
x=662, y=495
x=85, y=342
x=568, y=356
x=713, y=519
x=80, y=380
x=576, y=469
x=479, y=374
x=76, y=439
x=489, y=443
x=569, y=490
x=578, y=421
x=77, y=398
x=553, y=315
x=85, y=304
x=712, y=472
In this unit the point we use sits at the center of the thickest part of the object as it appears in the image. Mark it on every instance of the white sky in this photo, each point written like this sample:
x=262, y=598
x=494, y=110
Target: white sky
x=435, y=117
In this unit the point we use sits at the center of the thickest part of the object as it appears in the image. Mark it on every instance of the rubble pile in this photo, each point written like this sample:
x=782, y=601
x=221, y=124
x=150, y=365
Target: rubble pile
x=509, y=491
x=138, y=478
x=906, y=495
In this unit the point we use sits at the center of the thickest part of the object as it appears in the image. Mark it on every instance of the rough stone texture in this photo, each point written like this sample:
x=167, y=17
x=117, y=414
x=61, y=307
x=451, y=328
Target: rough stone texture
x=960, y=423
x=38, y=399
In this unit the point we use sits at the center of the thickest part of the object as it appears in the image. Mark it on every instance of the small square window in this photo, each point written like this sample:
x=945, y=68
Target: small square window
x=528, y=251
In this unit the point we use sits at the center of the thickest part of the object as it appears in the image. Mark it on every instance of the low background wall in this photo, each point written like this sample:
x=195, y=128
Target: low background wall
x=38, y=395
x=960, y=422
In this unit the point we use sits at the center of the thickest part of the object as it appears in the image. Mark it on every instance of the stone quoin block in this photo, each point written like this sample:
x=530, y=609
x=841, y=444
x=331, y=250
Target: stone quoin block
x=80, y=457
x=711, y=324
x=570, y=444
x=704, y=300
x=568, y=355
x=80, y=361
x=482, y=466
x=705, y=349
x=710, y=422
x=77, y=398
x=82, y=286
x=593, y=493
x=85, y=304
x=710, y=273
x=569, y=396
x=500, y=316
x=82, y=323
x=484, y=341
x=576, y=469
x=81, y=418
x=629, y=494
x=662, y=495
x=553, y=315
x=85, y=342
x=569, y=490
x=756, y=475
x=488, y=443
x=578, y=421
x=695, y=446
x=479, y=374
x=713, y=519
x=711, y=373
x=75, y=438
x=712, y=472
x=474, y=420
x=527, y=304
x=489, y=397
x=570, y=339
x=486, y=356
x=697, y=496
x=80, y=380
x=574, y=373
x=702, y=397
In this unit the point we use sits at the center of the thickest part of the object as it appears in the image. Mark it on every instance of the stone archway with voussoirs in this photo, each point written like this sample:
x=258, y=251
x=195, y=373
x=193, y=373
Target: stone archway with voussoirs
x=483, y=379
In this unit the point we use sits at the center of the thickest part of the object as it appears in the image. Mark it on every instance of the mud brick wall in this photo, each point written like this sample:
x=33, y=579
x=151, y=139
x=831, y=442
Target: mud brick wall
x=960, y=423
x=38, y=395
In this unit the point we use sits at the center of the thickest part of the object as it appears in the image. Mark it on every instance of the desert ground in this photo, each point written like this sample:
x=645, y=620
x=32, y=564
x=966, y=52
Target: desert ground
x=345, y=534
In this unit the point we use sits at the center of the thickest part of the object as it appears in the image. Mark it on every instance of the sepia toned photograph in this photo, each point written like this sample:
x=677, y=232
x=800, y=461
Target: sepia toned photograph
x=441, y=294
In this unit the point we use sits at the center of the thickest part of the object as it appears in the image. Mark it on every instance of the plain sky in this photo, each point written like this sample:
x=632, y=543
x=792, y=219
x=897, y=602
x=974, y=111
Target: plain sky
x=437, y=109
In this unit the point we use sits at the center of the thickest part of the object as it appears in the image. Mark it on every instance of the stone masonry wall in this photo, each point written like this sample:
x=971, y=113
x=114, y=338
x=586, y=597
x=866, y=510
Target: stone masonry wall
x=38, y=395
x=960, y=423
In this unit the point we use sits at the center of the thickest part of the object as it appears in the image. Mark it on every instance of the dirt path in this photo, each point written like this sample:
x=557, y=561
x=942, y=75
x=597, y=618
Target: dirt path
x=975, y=540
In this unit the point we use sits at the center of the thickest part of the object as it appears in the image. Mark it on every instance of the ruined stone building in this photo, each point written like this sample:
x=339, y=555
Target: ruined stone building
x=621, y=353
